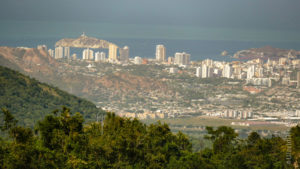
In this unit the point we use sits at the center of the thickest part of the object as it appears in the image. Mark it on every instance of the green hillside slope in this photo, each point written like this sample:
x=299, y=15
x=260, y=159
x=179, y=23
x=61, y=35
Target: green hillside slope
x=29, y=100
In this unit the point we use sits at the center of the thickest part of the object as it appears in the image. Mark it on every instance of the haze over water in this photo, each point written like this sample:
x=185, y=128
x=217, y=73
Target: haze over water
x=202, y=28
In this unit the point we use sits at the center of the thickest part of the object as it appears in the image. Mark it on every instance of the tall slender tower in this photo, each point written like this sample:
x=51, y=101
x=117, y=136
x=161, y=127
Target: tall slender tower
x=298, y=80
x=227, y=71
x=112, y=55
x=160, y=53
x=67, y=52
x=124, y=54
x=59, y=51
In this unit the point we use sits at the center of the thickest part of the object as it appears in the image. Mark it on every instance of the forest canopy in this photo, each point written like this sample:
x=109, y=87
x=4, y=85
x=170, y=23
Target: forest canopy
x=63, y=140
x=30, y=100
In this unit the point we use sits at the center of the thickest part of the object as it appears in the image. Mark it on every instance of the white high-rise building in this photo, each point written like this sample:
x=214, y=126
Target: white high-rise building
x=67, y=52
x=160, y=53
x=112, y=53
x=97, y=57
x=208, y=62
x=88, y=54
x=204, y=71
x=182, y=58
x=51, y=52
x=260, y=72
x=59, y=52
x=199, y=72
x=227, y=71
x=138, y=60
x=124, y=54
x=250, y=71
x=100, y=56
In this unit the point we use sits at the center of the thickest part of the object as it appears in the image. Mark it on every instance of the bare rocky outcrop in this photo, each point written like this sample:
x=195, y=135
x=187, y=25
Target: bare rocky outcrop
x=30, y=61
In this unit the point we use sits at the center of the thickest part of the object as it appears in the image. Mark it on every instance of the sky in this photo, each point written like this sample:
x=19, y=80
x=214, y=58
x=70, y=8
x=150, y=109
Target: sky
x=236, y=20
x=257, y=14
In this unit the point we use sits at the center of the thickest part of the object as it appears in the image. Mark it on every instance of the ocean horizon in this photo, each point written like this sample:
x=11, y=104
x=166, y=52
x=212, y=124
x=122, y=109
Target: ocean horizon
x=201, y=43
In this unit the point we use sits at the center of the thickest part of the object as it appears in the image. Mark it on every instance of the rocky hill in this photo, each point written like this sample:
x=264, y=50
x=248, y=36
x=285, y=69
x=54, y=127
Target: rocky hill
x=84, y=42
x=30, y=61
x=266, y=52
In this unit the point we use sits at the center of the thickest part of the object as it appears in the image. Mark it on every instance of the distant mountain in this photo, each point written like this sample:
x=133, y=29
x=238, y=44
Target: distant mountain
x=266, y=52
x=30, y=100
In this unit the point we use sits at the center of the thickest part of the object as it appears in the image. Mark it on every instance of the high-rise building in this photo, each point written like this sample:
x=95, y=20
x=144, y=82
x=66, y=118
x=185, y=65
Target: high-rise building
x=204, y=71
x=170, y=60
x=227, y=71
x=97, y=57
x=160, y=53
x=210, y=72
x=298, y=79
x=124, y=54
x=59, y=52
x=178, y=58
x=182, y=58
x=198, y=72
x=260, y=72
x=208, y=62
x=85, y=54
x=51, y=52
x=217, y=72
x=88, y=54
x=112, y=54
x=250, y=71
x=100, y=56
x=67, y=52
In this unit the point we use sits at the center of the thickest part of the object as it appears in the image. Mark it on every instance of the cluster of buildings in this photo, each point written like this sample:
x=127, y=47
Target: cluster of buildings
x=255, y=76
x=235, y=114
x=60, y=52
x=256, y=72
x=121, y=55
x=145, y=115
x=89, y=55
x=180, y=59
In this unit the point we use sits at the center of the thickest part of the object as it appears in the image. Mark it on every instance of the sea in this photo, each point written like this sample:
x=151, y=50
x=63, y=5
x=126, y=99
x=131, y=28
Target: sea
x=201, y=42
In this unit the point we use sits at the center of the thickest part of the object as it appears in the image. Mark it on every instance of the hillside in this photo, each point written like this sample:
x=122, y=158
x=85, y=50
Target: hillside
x=101, y=84
x=29, y=100
x=30, y=61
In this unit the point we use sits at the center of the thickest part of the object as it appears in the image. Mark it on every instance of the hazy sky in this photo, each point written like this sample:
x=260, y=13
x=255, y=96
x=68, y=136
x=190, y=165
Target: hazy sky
x=253, y=14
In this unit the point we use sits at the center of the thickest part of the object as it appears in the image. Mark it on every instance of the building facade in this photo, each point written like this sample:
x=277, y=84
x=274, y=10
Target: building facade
x=160, y=53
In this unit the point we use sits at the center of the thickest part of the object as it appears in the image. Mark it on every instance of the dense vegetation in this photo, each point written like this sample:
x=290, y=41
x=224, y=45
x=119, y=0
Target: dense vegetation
x=30, y=100
x=61, y=140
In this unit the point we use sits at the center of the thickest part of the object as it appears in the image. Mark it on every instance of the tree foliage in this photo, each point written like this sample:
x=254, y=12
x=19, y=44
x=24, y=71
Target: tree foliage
x=63, y=140
x=30, y=101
